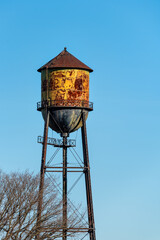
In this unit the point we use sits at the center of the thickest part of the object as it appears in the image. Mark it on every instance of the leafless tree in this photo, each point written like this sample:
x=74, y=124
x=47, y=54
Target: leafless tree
x=18, y=208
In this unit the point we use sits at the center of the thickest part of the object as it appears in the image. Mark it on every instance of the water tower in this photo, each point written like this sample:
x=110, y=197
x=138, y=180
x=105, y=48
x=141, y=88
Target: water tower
x=65, y=106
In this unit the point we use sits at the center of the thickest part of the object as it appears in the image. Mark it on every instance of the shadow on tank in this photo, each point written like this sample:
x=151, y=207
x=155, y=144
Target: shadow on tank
x=65, y=120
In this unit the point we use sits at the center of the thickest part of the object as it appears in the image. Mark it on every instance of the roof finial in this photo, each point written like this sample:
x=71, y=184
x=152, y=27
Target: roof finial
x=65, y=49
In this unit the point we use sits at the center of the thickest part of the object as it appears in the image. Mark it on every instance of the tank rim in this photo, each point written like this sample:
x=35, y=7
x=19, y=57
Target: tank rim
x=65, y=104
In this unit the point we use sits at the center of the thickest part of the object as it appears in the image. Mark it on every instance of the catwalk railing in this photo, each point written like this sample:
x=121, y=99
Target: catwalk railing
x=65, y=103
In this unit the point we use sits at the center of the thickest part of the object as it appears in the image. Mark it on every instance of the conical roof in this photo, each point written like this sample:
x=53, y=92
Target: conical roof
x=65, y=60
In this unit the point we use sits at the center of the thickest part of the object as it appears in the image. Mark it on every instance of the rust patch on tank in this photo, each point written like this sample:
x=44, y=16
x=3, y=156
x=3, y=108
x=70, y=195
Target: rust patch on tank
x=44, y=85
x=59, y=74
x=86, y=82
x=78, y=84
x=60, y=94
x=52, y=84
x=74, y=95
x=70, y=73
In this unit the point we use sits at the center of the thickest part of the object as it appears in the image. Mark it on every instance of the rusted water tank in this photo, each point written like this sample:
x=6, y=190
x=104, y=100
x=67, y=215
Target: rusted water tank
x=65, y=92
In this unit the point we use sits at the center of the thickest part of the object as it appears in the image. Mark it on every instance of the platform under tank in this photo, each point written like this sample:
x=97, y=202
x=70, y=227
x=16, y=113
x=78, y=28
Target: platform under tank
x=65, y=92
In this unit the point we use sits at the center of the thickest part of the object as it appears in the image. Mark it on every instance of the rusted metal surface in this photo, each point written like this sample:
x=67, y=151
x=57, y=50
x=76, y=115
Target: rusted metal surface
x=67, y=84
x=66, y=88
x=65, y=60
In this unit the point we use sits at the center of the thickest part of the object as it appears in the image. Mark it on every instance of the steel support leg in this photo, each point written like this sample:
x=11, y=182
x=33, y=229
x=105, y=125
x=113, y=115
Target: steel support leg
x=88, y=180
x=64, y=188
x=41, y=186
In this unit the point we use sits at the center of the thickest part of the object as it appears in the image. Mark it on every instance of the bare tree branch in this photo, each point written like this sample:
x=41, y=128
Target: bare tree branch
x=18, y=209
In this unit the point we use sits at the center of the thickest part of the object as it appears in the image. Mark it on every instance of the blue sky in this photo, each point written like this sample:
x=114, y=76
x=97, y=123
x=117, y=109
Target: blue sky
x=120, y=41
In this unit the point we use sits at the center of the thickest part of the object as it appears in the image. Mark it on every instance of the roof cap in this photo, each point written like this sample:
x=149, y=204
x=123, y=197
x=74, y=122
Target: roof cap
x=65, y=60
